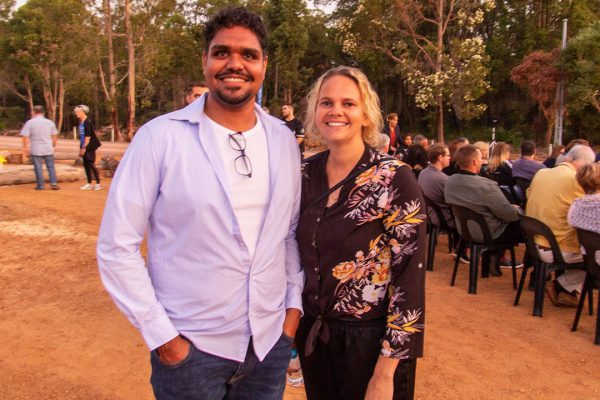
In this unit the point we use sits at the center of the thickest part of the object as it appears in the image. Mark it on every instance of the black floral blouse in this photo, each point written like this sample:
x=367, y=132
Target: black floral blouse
x=364, y=255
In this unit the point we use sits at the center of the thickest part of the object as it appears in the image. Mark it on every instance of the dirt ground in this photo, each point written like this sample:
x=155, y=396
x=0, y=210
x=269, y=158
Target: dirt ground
x=63, y=338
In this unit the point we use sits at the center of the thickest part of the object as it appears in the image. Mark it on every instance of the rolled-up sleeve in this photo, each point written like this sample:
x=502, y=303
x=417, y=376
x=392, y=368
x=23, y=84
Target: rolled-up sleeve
x=122, y=268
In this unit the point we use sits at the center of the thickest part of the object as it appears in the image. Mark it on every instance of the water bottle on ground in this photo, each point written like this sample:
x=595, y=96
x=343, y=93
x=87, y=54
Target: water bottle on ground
x=294, y=372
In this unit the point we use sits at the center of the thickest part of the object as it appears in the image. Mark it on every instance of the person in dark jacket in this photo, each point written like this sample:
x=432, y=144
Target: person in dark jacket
x=89, y=143
x=392, y=129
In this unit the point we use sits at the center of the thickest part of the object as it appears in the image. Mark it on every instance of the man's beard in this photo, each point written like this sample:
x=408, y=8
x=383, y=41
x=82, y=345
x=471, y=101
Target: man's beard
x=233, y=100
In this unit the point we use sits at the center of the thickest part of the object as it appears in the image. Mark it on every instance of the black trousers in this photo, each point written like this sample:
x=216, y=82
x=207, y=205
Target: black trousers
x=89, y=163
x=342, y=368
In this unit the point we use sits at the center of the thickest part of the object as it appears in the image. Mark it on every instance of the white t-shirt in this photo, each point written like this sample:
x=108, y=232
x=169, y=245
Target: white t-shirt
x=249, y=195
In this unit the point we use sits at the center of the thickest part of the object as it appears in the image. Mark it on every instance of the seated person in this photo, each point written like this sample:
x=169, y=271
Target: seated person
x=416, y=156
x=500, y=165
x=526, y=166
x=454, y=146
x=585, y=211
x=561, y=157
x=404, y=146
x=433, y=182
x=466, y=188
x=484, y=147
x=384, y=143
x=557, y=150
x=551, y=193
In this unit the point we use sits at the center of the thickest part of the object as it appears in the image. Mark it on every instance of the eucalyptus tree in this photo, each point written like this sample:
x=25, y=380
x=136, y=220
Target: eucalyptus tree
x=435, y=43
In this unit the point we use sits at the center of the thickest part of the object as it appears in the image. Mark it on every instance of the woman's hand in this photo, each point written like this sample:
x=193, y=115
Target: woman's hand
x=381, y=385
x=81, y=152
x=380, y=388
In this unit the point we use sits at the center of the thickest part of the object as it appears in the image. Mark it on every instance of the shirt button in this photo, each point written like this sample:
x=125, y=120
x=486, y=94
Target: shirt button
x=316, y=269
x=318, y=220
x=314, y=244
x=316, y=297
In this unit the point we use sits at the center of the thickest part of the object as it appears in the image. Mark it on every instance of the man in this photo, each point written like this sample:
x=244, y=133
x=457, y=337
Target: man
x=384, y=143
x=551, y=193
x=526, y=166
x=295, y=125
x=433, y=181
x=466, y=188
x=219, y=299
x=194, y=90
x=454, y=146
x=392, y=130
x=41, y=134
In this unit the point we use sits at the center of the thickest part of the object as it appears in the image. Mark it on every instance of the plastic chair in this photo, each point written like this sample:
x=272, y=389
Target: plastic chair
x=474, y=230
x=523, y=184
x=591, y=243
x=533, y=228
x=435, y=230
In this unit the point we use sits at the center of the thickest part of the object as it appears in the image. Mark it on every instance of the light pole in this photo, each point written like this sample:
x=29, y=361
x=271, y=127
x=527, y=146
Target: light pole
x=560, y=95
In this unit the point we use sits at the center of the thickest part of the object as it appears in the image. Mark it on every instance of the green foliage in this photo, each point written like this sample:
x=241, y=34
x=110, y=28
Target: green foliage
x=580, y=61
x=66, y=38
x=11, y=118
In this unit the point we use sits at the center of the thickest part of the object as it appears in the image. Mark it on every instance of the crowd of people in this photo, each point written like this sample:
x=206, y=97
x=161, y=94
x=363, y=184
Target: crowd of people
x=562, y=192
x=253, y=250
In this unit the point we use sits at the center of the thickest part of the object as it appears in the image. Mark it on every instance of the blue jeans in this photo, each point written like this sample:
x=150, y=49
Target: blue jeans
x=37, y=167
x=203, y=376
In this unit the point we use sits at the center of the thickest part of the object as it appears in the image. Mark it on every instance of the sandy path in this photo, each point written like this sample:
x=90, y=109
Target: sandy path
x=63, y=338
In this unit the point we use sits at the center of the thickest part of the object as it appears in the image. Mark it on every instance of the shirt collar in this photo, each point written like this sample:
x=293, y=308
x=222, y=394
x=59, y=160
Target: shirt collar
x=463, y=172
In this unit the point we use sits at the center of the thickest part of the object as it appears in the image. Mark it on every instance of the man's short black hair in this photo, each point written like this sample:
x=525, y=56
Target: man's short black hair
x=190, y=87
x=528, y=148
x=236, y=16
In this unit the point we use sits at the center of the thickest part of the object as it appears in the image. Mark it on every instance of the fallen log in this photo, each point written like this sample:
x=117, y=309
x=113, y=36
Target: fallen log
x=22, y=174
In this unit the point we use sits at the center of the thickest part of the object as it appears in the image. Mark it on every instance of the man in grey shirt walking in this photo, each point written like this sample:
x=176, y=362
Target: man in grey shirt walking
x=41, y=134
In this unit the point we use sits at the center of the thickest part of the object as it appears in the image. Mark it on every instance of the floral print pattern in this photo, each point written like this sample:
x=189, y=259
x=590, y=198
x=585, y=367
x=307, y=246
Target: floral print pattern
x=363, y=256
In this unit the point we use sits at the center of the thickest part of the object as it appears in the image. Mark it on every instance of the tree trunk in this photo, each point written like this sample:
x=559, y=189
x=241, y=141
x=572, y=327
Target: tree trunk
x=61, y=102
x=131, y=72
x=47, y=92
x=112, y=72
x=276, y=82
x=29, y=90
x=439, y=101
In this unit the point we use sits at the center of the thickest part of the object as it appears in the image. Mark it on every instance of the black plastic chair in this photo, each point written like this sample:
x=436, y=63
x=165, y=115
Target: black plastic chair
x=474, y=230
x=523, y=184
x=533, y=228
x=591, y=243
x=435, y=230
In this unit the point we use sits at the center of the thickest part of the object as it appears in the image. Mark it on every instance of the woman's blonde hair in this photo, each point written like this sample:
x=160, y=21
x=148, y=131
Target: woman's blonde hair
x=484, y=147
x=588, y=177
x=501, y=153
x=370, y=100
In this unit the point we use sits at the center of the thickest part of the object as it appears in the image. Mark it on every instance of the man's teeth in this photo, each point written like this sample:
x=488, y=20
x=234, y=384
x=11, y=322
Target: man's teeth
x=336, y=124
x=234, y=79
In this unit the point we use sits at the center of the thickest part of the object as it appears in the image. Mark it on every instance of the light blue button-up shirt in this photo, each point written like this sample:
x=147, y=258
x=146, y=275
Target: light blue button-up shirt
x=199, y=280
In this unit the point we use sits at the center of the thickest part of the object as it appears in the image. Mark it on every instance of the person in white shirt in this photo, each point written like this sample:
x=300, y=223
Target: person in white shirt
x=218, y=300
x=40, y=134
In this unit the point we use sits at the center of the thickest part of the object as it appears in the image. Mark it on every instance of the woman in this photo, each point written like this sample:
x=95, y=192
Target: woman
x=585, y=211
x=484, y=147
x=362, y=238
x=87, y=149
x=404, y=146
x=393, y=131
x=500, y=166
